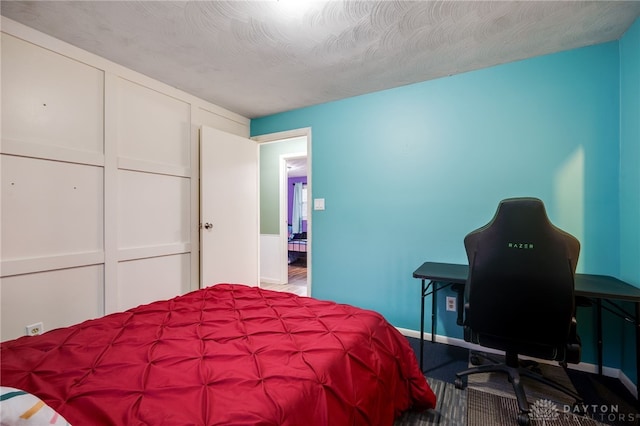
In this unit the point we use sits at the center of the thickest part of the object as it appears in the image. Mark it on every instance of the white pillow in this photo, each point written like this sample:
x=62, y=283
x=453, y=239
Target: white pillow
x=18, y=407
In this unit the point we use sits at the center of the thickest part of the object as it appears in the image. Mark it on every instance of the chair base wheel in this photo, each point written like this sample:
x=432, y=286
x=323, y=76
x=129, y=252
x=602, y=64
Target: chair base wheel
x=459, y=383
x=524, y=419
x=474, y=359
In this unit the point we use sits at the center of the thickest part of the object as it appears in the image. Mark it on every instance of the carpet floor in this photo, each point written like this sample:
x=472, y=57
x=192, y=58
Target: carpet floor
x=472, y=407
x=488, y=399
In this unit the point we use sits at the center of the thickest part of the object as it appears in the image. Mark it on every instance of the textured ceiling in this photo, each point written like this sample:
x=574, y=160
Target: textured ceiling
x=261, y=57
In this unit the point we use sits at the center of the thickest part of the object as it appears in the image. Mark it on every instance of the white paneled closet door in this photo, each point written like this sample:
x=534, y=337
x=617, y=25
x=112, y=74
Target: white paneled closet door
x=99, y=188
x=153, y=194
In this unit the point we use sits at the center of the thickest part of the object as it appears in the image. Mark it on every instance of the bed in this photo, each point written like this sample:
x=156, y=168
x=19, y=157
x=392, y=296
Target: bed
x=224, y=355
x=297, y=246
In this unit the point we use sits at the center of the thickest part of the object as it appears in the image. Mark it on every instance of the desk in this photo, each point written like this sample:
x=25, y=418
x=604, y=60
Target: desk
x=599, y=288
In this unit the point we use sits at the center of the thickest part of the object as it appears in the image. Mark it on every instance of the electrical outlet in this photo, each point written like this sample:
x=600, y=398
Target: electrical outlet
x=451, y=303
x=35, y=329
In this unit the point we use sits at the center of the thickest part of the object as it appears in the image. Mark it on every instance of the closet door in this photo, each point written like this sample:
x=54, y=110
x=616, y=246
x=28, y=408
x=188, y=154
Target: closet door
x=229, y=211
x=151, y=201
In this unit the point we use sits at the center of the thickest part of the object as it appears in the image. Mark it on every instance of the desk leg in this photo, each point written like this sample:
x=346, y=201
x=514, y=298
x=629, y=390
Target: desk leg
x=421, y=325
x=433, y=311
x=599, y=333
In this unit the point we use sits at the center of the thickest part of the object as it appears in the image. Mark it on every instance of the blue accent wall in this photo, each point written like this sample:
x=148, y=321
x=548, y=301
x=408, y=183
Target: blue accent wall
x=630, y=176
x=407, y=173
x=630, y=154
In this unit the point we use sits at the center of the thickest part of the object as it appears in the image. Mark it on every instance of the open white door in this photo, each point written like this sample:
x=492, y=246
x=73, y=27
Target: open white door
x=229, y=212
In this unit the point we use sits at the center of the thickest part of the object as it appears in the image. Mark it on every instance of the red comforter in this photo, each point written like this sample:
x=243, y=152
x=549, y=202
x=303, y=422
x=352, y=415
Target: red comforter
x=224, y=355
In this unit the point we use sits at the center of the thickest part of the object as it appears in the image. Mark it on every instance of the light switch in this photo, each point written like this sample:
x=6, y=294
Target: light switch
x=318, y=203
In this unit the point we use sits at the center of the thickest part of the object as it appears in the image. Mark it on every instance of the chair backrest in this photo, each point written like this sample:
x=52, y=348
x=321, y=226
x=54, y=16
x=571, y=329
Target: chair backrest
x=520, y=290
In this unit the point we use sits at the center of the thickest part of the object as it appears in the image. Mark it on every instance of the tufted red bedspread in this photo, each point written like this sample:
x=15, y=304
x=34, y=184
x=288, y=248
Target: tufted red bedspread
x=224, y=355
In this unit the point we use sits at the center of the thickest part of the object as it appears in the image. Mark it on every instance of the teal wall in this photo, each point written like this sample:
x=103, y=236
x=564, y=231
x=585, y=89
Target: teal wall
x=270, y=180
x=408, y=172
x=630, y=175
x=630, y=154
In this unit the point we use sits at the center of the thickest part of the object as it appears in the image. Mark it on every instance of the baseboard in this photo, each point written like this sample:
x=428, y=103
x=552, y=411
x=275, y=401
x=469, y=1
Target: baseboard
x=626, y=381
x=268, y=280
x=583, y=366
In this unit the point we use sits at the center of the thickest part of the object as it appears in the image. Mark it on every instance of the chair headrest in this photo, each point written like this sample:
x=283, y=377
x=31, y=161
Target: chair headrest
x=521, y=210
x=521, y=221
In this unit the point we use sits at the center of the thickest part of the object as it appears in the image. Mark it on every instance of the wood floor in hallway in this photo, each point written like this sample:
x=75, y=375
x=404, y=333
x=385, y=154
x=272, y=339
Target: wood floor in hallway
x=297, y=280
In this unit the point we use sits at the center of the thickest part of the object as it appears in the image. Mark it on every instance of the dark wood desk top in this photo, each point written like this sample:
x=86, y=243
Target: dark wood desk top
x=455, y=273
x=605, y=287
x=587, y=285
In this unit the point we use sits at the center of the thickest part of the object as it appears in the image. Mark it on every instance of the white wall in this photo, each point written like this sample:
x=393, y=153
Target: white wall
x=271, y=260
x=100, y=191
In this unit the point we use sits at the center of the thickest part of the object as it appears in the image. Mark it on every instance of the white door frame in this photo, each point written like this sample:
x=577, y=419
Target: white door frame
x=274, y=137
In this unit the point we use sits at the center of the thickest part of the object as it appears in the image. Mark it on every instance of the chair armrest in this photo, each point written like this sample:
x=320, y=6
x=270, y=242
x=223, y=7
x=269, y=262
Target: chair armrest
x=574, y=345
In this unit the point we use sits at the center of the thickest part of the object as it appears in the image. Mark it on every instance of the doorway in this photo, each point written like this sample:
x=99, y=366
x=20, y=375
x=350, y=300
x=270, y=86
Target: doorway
x=285, y=237
x=294, y=201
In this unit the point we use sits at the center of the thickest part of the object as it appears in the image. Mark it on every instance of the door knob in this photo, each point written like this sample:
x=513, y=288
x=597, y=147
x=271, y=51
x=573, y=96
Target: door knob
x=208, y=225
